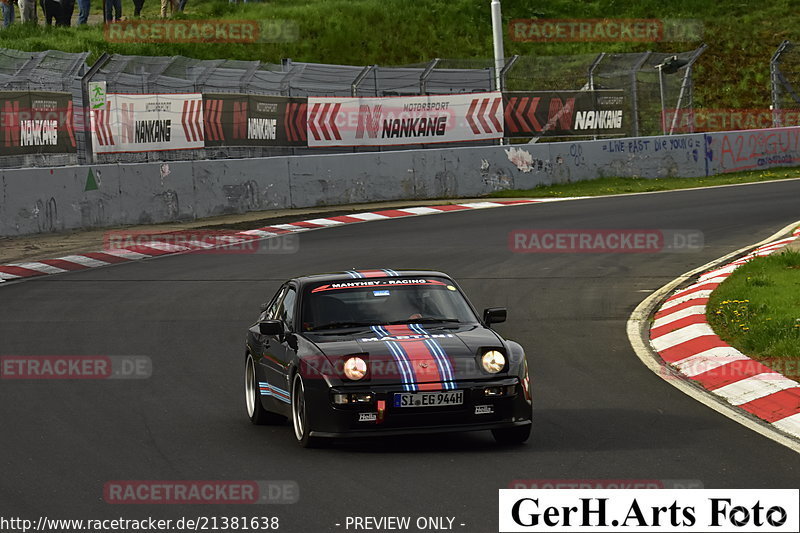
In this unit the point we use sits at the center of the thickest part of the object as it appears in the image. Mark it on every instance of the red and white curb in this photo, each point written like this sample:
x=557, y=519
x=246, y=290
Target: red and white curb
x=146, y=250
x=683, y=338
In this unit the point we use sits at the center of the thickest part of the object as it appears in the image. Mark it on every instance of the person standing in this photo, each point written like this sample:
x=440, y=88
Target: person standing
x=137, y=7
x=27, y=11
x=116, y=6
x=51, y=10
x=83, y=11
x=8, y=12
x=65, y=14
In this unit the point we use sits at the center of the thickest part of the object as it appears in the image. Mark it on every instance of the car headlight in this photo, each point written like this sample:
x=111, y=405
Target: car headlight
x=355, y=368
x=493, y=361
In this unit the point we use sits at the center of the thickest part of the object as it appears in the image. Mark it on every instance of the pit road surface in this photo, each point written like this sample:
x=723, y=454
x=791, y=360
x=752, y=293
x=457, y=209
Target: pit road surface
x=599, y=413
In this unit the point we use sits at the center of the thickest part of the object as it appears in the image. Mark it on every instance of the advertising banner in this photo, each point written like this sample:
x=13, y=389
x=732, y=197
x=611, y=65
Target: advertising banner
x=404, y=119
x=565, y=113
x=148, y=122
x=253, y=120
x=34, y=122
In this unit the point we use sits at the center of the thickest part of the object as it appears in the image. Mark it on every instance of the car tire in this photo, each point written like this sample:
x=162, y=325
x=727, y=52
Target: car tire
x=515, y=435
x=252, y=398
x=299, y=416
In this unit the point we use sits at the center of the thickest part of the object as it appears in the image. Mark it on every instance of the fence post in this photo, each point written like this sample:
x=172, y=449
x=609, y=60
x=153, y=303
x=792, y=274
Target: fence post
x=360, y=78
x=423, y=78
x=635, y=91
x=507, y=67
x=686, y=83
x=775, y=76
x=87, y=113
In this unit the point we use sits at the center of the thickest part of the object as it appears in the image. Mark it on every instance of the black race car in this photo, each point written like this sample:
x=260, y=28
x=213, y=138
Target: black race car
x=381, y=352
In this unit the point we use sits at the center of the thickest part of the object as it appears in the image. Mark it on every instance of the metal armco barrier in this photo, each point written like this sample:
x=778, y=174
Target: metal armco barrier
x=39, y=200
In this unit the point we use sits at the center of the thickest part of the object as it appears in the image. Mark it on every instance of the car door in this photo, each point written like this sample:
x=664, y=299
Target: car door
x=277, y=354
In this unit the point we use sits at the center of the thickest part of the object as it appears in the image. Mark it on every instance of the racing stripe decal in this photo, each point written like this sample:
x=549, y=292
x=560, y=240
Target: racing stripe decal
x=445, y=365
x=271, y=390
x=400, y=358
x=431, y=367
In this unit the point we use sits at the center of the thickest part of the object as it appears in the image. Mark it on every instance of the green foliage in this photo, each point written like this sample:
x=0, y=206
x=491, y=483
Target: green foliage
x=734, y=71
x=602, y=186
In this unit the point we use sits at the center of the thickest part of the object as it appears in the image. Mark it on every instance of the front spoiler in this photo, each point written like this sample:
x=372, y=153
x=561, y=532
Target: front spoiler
x=376, y=431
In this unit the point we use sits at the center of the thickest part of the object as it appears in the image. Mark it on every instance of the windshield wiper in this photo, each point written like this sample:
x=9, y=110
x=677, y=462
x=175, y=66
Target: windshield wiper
x=425, y=320
x=342, y=325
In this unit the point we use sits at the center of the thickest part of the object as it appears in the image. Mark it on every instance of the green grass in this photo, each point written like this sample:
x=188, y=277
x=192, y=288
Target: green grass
x=605, y=186
x=757, y=310
x=734, y=72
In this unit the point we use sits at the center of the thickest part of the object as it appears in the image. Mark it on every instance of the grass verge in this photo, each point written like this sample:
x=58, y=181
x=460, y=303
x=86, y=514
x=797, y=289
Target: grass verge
x=757, y=311
x=604, y=186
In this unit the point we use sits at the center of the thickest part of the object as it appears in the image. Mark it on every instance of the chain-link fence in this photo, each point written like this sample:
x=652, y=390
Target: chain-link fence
x=785, y=74
x=656, y=85
x=53, y=75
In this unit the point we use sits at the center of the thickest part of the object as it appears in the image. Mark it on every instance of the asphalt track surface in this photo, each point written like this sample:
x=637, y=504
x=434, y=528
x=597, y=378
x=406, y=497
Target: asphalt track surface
x=600, y=414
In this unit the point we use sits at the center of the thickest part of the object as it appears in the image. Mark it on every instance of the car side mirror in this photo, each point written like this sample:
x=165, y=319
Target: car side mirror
x=494, y=315
x=271, y=327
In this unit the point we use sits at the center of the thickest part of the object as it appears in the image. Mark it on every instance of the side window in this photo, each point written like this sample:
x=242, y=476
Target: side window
x=272, y=310
x=286, y=310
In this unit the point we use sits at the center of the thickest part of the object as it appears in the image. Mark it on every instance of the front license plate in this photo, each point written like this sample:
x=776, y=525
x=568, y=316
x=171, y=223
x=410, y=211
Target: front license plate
x=428, y=399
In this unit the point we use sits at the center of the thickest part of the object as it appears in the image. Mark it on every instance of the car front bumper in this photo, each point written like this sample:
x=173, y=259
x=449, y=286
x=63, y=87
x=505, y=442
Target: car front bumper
x=478, y=411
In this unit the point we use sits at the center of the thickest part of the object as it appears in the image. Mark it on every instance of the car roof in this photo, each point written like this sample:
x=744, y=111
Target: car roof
x=375, y=273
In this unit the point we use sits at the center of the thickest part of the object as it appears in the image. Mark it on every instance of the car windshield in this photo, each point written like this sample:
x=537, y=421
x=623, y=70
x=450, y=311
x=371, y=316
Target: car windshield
x=368, y=302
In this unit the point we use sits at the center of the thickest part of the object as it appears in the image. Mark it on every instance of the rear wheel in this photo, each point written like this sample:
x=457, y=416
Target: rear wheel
x=252, y=398
x=515, y=435
x=299, y=415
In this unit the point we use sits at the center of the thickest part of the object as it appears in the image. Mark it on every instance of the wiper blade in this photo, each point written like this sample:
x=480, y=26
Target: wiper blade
x=425, y=320
x=342, y=325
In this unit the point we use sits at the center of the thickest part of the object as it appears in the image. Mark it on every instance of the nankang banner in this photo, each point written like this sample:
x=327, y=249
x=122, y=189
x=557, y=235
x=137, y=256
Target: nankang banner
x=34, y=122
x=404, y=120
x=148, y=123
x=565, y=113
x=253, y=120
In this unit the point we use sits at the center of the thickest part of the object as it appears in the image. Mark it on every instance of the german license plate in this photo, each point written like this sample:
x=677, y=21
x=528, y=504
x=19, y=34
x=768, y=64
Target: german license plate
x=428, y=399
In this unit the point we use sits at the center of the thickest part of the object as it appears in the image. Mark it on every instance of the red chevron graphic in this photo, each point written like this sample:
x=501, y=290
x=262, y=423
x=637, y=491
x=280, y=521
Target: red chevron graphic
x=323, y=119
x=191, y=119
x=480, y=108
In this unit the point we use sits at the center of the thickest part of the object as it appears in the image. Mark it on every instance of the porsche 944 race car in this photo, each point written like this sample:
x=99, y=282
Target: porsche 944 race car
x=382, y=352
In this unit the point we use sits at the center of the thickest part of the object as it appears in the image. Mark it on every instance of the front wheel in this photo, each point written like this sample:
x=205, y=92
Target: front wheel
x=515, y=435
x=299, y=415
x=252, y=398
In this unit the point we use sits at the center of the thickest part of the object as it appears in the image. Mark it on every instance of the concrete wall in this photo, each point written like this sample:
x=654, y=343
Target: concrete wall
x=39, y=200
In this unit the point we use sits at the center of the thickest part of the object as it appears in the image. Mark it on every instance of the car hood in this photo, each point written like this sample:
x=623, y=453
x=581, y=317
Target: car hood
x=427, y=355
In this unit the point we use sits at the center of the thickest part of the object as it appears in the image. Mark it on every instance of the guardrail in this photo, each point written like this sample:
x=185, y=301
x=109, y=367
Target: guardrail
x=39, y=200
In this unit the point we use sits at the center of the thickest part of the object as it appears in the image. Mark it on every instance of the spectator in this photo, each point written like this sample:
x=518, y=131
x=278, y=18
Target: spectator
x=27, y=11
x=83, y=11
x=137, y=7
x=171, y=4
x=116, y=6
x=65, y=17
x=8, y=12
x=51, y=10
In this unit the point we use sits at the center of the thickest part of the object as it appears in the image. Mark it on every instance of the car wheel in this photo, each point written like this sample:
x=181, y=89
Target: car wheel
x=515, y=435
x=299, y=415
x=252, y=398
